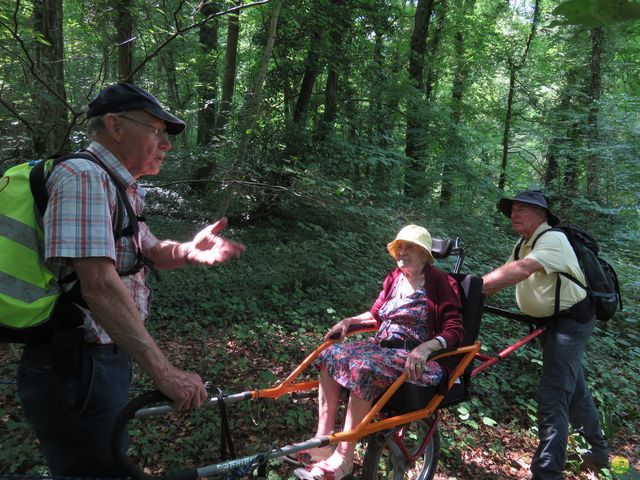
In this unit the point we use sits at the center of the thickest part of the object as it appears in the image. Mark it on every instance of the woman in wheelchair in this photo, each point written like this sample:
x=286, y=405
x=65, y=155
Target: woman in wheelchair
x=417, y=313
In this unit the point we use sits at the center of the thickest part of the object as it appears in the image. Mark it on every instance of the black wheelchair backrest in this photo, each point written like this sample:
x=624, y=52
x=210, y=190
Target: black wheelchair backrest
x=410, y=397
x=472, y=304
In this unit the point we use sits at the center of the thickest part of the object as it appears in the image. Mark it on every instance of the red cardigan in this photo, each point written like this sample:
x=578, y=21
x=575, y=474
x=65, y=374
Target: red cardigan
x=444, y=307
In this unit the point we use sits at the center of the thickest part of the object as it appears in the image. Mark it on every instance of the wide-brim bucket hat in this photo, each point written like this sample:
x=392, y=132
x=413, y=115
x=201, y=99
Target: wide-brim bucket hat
x=532, y=197
x=413, y=234
x=123, y=97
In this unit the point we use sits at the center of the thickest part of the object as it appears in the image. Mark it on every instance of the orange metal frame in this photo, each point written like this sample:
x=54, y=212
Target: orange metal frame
x=368, y=426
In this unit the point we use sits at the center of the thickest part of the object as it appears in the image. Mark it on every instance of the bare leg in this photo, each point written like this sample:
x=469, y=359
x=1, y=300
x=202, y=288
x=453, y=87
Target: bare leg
x=356, y=411
x=328, y=398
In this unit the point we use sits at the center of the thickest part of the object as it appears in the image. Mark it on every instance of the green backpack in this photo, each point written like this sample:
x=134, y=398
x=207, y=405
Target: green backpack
x=34, y=301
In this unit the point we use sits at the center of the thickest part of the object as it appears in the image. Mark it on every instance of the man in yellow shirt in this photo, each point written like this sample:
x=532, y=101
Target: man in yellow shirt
x=563, y=396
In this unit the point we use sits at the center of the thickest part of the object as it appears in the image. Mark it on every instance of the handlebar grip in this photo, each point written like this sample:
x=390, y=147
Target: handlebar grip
x=117, y=438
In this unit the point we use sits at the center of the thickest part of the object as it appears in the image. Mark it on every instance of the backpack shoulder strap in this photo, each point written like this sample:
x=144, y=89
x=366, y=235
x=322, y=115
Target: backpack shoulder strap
x=556, y=309
x=574, y=280
x=516, y=255
x=516, y=250
x=564, y=274
x=535, y=240
x=37, y=182
x=38, y=188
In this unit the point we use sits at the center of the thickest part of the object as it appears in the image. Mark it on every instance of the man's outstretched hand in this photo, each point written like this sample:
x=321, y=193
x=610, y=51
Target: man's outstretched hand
x=208, y=248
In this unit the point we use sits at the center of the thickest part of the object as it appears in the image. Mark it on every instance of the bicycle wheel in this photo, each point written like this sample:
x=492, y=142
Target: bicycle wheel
x=384, y=458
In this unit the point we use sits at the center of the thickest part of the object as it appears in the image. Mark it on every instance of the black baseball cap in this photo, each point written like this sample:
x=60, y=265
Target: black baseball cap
x=123, y=97
x=532, y=197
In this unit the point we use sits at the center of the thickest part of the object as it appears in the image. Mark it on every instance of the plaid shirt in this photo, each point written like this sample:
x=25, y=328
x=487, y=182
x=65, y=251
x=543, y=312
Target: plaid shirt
x=78, y=223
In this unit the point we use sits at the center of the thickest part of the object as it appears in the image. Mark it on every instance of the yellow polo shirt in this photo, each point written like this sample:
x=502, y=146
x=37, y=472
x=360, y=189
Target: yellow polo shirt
x=536, y=295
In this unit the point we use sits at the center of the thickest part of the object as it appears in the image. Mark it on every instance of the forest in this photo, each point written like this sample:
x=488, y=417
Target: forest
x=320, y=128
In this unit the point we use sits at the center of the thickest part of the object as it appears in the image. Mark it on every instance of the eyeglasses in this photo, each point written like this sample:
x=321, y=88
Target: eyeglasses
x=158, y=131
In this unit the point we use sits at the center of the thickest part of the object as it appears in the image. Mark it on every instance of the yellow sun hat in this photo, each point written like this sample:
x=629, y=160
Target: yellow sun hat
x=413, y=234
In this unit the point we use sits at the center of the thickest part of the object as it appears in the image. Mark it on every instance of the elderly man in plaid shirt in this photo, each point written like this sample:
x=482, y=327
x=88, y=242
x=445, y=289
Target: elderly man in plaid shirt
x=71, y=391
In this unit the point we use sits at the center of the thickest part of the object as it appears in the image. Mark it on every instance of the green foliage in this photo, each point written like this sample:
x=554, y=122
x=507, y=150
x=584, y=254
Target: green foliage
x=316, y=199
x=23, y=455
x=294, y=274
x=594, y=13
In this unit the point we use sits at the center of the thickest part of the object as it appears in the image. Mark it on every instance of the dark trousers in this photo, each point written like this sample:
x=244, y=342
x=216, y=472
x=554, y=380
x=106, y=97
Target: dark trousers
x=563, y=397
x=72, y=412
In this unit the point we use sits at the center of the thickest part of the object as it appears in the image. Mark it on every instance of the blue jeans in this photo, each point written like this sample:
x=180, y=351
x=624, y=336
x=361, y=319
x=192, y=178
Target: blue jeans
x=72, y=414
x=563, y=398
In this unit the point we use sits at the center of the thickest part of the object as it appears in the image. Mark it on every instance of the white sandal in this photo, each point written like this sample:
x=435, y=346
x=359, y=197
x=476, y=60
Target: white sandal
x=322, y=471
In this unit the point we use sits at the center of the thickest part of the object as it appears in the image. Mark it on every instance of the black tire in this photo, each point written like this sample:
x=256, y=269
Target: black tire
x=383, y=459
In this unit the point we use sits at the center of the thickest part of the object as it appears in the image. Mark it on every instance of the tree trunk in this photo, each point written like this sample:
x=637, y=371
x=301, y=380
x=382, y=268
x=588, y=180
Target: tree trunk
x=562, y=173
x=311, y=72
x=50, y=132
x=413, y=148
x=168, y=63
x=513, y=70
x=385, y=101
x=434, y=44
x=558, y=145
x=330, y=103
x=229, y=78
x=419, y=40
x=455, y=145
x=253, y=101
x=342, y=19
x=124, y=39
x=595, y=90
x=507, y=126
x=571, y=170
x=207, y=75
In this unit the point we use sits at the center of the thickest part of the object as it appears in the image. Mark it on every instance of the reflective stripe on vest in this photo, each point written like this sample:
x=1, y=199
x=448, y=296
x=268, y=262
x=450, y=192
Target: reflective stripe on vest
x=24, y=291
x=18, y=232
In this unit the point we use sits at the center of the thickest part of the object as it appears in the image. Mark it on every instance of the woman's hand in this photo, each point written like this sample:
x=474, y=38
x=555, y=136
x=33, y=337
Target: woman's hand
x=340, y=329
x=417, y=360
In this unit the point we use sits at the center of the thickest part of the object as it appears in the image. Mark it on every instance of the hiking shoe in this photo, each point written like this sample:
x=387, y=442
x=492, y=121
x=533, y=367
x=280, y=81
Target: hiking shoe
x=593, y=463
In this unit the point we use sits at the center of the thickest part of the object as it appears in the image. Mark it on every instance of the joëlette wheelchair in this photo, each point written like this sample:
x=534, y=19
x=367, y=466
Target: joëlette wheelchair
x=401, y=429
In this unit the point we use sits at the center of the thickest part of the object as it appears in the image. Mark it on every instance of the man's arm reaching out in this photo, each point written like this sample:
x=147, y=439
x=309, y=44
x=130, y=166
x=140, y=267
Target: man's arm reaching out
x=509, y=274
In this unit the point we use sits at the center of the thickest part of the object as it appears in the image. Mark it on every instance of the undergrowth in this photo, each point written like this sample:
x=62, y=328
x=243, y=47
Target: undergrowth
x=246, y=324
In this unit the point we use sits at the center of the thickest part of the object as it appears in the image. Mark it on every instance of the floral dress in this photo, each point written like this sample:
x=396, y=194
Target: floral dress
x=368, y=369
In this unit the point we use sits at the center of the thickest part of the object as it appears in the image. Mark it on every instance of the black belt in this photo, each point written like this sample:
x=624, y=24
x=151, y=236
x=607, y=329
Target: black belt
x=581, y=312
x=397, y=343
x=105, y=346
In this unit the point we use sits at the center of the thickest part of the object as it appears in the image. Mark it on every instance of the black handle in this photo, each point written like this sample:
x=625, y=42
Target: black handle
x=117, y=437
x=511, y=315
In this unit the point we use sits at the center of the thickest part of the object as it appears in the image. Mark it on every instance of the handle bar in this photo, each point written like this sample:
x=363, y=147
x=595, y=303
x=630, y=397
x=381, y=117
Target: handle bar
x=511, y=315
x=136, y=409
x=445, y=247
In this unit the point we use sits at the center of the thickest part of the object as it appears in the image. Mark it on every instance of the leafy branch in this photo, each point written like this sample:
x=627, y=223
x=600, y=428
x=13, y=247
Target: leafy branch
x=179, y=31
x=226, y=183
x=12, y=26
x=33, y=69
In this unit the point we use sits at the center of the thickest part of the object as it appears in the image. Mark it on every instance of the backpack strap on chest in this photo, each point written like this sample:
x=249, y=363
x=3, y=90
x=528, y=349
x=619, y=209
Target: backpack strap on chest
x=37, y=181
x=556, y=309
